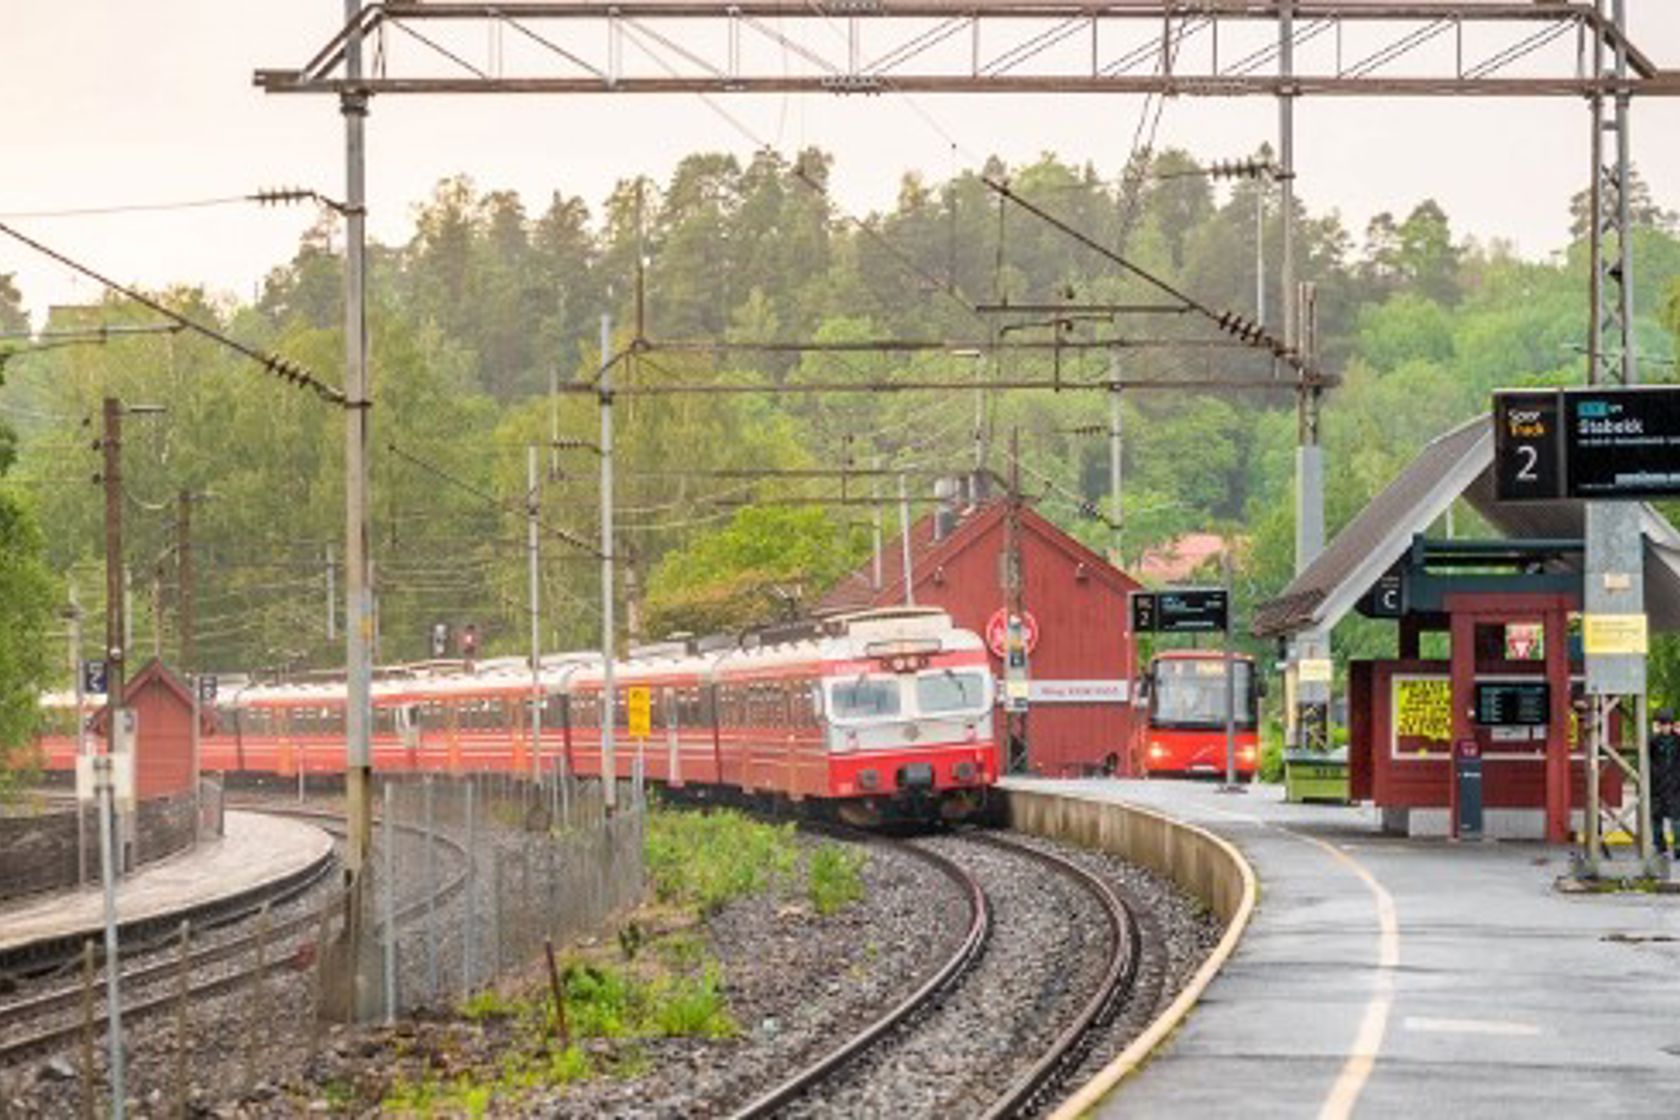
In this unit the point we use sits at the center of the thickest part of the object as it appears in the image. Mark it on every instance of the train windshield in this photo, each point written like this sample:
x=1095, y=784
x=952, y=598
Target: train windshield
x=949, y=691
x=1190, y=692
x=866, y=698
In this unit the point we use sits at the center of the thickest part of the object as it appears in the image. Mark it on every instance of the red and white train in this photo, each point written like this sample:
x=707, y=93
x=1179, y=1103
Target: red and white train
x=876, y=716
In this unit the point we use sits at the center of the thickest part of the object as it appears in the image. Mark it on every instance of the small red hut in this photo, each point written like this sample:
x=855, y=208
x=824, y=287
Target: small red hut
x=1080, y=718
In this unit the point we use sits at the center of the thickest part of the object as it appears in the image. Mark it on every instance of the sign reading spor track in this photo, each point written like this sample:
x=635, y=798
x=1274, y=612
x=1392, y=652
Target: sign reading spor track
x=1604, y=444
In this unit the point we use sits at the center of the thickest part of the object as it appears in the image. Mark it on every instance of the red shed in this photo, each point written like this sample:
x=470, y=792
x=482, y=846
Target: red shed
x=1081, y=718
x=164, y=764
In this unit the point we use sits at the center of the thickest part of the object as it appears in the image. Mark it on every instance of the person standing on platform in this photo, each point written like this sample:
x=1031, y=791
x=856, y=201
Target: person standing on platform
x=1665, y=781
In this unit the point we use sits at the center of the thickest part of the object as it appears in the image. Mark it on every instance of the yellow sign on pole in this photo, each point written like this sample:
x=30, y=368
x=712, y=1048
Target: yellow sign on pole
x=639, y=699
x=1614, y=633
x=1316, y=670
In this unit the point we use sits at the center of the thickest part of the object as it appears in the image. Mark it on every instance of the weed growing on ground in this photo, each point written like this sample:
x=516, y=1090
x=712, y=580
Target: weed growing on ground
x=834, y=878
x=707, y=860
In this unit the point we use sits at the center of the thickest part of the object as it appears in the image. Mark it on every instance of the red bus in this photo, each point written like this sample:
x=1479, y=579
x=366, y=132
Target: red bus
x=1185, y=733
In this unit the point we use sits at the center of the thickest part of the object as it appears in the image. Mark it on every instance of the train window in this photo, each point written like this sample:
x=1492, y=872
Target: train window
x=950, y=691
x=332, y=721
x=433, y=716
x=385, y=720
x=866, y=697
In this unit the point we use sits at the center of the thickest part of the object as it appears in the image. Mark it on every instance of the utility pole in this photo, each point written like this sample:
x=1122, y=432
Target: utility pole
x=110, y=444
x=609, y=706
x=876, y=574
x=904, y=543
x=532, y=509
x=358, y=607
x=184, y=569
x=73, y=615
x=1615, y=539
x=332, y=598
x=1116, y=434
x=1013, y=581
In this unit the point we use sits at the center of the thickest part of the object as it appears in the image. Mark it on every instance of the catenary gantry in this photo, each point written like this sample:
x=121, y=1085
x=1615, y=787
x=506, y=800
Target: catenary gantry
x=1190, y=48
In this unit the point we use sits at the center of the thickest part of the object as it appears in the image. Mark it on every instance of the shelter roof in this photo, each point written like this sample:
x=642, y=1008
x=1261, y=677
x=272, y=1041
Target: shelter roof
x=1456, y=464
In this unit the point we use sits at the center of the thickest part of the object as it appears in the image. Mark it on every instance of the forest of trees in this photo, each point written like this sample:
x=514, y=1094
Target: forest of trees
x=494, y=295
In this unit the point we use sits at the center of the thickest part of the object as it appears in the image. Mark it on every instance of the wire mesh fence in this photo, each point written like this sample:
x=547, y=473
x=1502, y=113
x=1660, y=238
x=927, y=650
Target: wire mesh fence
x=473, y=872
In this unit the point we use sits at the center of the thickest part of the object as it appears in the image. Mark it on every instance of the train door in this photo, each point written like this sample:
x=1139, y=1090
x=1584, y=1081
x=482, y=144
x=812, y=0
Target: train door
x=408, y=733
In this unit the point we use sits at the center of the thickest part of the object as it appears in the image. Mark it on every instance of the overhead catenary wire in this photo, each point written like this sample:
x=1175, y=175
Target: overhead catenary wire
x=283, y=368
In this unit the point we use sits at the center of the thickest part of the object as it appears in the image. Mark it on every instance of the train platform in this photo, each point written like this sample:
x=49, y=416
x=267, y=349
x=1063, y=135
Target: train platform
x=256, y=856
x=1388, y=977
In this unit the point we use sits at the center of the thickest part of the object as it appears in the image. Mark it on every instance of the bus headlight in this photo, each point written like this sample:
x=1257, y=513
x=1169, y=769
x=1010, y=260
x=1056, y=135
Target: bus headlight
x=1156, y=750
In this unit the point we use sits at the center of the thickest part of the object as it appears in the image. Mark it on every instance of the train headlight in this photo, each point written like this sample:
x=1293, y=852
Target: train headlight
x=972, y=735
x=964, y=771
x=869, y=779
x=851, y=741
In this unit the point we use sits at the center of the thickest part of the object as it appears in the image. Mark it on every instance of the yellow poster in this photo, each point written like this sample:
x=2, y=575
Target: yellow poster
x=639, y=699
x=1423, y=709
x=1613, y=633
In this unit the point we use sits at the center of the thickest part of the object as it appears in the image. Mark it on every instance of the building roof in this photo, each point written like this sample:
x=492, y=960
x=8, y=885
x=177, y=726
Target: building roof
x=1456, y=464
x=1177, y=560
x=927, y=555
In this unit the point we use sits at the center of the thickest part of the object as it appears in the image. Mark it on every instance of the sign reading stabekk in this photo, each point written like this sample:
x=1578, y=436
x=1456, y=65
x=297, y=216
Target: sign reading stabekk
x=1603, y=444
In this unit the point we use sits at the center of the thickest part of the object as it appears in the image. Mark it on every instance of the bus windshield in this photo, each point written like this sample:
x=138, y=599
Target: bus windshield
x=1190, y=692
x=866, y=698
x=946, y=690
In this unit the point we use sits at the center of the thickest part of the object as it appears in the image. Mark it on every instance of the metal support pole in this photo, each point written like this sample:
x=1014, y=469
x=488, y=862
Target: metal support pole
x=608, y=649
x=358, y=606
x=115, y=645
x=533, y=509
x=74, y=616
x=1260, y=251
x=904, y=543
x=1116, y=444
x=332, y=598
x=1230, y=675
x=875, y=487
x=469, y=916
x=1018, y=758
x=431, y=892
x=104, y=779
x=184, y=569
x=388, y=837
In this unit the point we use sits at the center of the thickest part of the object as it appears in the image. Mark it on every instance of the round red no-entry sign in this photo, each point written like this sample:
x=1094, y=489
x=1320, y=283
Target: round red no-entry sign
x=997, y=631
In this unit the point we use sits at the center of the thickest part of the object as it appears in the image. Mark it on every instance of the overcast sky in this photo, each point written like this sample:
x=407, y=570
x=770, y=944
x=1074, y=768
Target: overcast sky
x=114, y=103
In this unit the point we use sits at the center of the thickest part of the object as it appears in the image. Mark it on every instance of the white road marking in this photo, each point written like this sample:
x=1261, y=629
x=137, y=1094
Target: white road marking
x=1508, y=1027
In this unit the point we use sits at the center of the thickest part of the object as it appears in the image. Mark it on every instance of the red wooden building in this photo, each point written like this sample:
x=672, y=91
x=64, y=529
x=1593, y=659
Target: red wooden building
x=1080, y=718
x=165, y=762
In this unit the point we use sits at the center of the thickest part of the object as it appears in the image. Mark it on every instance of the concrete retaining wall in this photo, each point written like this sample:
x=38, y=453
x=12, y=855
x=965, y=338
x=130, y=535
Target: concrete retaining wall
x=1202, y=865
x=38, y=853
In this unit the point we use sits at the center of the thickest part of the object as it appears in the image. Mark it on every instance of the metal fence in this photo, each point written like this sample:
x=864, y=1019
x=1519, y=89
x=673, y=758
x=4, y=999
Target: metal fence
x=472, y=873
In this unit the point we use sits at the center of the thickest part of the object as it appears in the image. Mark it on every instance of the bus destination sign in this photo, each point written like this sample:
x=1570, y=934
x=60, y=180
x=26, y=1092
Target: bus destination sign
x=1186, y=610
x=1603, y=444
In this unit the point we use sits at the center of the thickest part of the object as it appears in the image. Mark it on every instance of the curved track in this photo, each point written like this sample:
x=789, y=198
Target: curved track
x=67, y=998
x=1028, y=1090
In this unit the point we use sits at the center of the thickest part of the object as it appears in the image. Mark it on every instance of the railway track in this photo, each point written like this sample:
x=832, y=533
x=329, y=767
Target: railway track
x=153, y=973
x=1028, y=1088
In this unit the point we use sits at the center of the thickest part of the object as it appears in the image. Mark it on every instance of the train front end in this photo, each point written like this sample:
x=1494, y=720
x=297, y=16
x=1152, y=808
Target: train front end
x=907, y=716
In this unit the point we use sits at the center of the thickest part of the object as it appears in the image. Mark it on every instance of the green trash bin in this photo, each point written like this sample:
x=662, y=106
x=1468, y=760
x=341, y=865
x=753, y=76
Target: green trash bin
x=1310, y=776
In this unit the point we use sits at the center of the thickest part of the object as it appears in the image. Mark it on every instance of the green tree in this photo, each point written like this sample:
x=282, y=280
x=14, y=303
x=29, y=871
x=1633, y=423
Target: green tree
x=27, y=595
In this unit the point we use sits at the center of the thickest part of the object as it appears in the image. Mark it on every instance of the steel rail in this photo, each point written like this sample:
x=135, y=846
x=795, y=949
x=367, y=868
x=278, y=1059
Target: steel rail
x=58, y=1001
x=969, y=950
x=1118, y=980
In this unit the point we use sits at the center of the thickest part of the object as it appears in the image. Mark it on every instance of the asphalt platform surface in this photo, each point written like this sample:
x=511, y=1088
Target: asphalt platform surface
x=1386, y=977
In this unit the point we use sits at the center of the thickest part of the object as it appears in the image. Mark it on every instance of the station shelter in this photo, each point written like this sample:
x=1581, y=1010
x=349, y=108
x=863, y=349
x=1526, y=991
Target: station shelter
x=165, y=749
x=1082, y=659
x=1509, y=694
